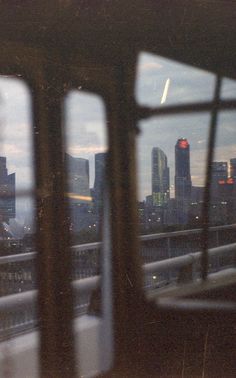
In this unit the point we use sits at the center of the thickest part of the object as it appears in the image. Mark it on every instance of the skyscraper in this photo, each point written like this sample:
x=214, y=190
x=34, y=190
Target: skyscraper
x=219, y=171
x=219, y=175
x=100, y=162
x=183, y=182
x=78, y=176
x=7, y=192
x=78, y=185
x=233, y=167
x=160, y=178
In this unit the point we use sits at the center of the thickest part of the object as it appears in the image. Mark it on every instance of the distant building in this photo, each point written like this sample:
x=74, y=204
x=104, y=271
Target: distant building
x=223, y=192
x=7, y=192
x=182, y=170
x=172, y=217
x=197, y=194
x=233, y=168
x=227, y=197
x=219, y=174
x=196, y=205
x=160, y=178
x=149, y=201
x=183, y=181
x=78, y=178
x=78, y=187
x=99, y=182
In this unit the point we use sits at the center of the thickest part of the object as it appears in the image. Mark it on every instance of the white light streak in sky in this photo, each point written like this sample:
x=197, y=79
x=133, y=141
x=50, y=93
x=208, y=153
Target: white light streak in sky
x=165, y=92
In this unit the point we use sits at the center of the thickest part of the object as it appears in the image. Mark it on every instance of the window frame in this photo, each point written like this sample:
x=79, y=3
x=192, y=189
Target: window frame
x=48, y=88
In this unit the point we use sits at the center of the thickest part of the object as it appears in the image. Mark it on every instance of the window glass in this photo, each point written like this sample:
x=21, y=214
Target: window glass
x=85, y=158
x=171, y=160
x=223, y=188
x=171, y=157
x=17, y=213
x=171, y=170
x=228, y=90
x=161, y=82
x=223, y=170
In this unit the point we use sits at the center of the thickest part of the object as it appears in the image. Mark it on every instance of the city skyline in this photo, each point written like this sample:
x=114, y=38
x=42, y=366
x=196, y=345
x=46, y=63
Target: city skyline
x=85, y=121
x=223, y=185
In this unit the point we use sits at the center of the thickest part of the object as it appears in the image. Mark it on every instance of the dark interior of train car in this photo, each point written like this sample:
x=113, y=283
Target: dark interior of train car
x=171, y=316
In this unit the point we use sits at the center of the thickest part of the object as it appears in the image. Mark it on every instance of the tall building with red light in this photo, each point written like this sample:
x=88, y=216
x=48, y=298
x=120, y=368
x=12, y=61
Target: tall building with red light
x=183, y=181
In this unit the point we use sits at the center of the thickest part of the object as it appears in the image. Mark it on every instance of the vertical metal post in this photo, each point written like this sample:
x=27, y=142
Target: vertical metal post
x=107, y=352
x=127, y=271
x=217, y=244
x=169, y=256
x=55, y=305
x=207, y=194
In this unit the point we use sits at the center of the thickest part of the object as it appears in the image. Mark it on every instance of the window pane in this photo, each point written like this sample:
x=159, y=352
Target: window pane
x=171, y=158
x=228, y=89
x=161, y=82
x=17, y=221
x=171, y=170
x=223, y=170
x=223, y=188
x=85, y=157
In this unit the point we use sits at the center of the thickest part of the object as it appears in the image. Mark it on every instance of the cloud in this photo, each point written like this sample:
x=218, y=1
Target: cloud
x=149, y=66
x=83, y=150
x=11, y=149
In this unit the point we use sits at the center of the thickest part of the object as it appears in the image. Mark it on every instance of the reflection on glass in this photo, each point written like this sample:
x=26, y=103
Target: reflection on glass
x=161, y=81
x=85, y=159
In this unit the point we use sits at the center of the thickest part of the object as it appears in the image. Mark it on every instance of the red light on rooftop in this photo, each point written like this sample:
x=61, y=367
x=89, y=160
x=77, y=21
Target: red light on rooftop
x=183, y=143
x=221, y=182
x=230, y=180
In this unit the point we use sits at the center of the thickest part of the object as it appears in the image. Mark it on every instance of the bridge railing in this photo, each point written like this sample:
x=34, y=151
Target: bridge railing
x=164, y=263
x=17, y=272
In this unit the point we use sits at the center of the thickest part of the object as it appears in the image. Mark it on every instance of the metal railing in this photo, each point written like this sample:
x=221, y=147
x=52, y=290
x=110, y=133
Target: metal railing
x=162, y=266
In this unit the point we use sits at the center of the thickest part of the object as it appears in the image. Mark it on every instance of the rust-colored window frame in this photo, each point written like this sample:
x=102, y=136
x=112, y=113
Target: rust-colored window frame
x=50, y=76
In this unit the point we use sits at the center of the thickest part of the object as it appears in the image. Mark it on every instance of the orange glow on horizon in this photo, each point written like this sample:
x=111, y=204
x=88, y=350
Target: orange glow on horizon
x=79, y=197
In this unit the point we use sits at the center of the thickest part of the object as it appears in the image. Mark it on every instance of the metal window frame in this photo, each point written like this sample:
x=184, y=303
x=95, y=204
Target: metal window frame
x=55, y=301
x=213, y=107
x=48, y=88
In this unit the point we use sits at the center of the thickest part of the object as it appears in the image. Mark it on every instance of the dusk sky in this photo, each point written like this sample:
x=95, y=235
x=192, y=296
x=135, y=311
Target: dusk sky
x=160, y=82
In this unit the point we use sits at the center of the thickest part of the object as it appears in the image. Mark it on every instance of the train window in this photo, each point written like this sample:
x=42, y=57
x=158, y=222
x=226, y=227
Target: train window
x=17, y=216
x=171, y=155
x=85, y=160
x=223, y=194
x=174, y=178
x=92, y=307
x=163, y=82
